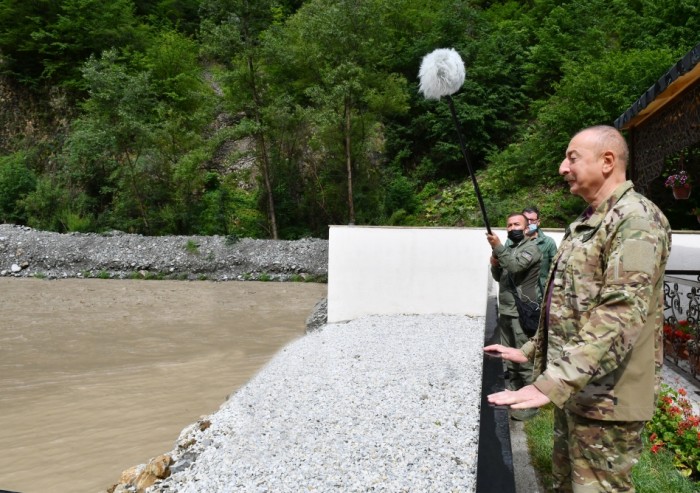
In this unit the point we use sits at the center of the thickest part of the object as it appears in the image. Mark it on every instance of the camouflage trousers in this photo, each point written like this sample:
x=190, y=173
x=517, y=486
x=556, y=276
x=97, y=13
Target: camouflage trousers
x=512, y=335
x=593, y=456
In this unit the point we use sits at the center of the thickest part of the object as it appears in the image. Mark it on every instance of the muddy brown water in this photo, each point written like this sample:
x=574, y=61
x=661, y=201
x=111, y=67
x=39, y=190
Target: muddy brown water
x=97, y=376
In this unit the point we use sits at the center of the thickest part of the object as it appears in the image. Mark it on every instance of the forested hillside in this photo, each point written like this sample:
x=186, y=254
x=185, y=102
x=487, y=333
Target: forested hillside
x=274, y=118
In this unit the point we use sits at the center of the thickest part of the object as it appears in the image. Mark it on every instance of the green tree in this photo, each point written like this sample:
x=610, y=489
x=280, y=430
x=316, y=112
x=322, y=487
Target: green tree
x=335, y=52
x=21, y=52
x=45, y=204
x=16, y=182
x=108, y=154
x=53, y=39
x=233, y=29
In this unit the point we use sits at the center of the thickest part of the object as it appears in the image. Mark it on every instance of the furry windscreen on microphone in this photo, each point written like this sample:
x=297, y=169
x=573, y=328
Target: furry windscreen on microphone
x=441, y=73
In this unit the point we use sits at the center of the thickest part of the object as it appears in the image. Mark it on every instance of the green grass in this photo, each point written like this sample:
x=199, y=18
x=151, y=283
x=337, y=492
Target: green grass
x=539, y=442
x=654, y=473
x=192, y=247
x=321, y=279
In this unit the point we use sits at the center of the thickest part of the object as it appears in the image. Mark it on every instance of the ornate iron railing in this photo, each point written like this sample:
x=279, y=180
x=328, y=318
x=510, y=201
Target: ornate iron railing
x=682, y=320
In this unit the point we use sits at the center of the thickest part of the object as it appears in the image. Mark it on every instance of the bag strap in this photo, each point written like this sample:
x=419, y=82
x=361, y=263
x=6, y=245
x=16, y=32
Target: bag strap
x=512, y=283
x=519, y=295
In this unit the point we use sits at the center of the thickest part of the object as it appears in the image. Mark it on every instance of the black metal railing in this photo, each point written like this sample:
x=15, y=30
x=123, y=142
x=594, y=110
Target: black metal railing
x=681, y=320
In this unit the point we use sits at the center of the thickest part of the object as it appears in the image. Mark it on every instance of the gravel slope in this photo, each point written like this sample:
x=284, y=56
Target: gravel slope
x=28, y=252
x=382, y=403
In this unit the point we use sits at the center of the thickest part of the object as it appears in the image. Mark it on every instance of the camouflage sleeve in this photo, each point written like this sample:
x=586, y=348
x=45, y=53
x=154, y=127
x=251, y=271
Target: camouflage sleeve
x=615, y=322
x=516, y=260
x=528, y=349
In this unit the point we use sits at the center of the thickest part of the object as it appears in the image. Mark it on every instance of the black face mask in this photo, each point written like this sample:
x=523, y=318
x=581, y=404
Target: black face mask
x=516, y=235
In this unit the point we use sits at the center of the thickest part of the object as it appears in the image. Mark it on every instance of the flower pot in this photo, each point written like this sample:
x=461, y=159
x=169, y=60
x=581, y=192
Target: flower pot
x=675, y=349
x=669, y=350
x=682, y=192
x=694, y=362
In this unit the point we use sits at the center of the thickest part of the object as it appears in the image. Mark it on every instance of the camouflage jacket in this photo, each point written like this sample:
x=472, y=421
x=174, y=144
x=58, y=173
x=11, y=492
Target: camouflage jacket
x=598, y=350
x=522, y=262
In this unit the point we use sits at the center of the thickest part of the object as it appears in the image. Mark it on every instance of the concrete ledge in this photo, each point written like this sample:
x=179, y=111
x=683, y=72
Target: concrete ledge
x=495, y=463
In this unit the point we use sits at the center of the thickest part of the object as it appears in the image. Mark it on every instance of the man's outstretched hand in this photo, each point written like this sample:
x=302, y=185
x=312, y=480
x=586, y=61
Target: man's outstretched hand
x=507, y=353
x=525, y=398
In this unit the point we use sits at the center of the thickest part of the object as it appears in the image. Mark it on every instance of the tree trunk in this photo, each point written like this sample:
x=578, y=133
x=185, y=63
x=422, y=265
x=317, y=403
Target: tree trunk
x=268, y=185
x=348, y=161
x=135, y=188
x=262, y=153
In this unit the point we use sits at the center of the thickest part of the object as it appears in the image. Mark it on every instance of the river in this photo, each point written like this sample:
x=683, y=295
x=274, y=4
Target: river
x=97, y=375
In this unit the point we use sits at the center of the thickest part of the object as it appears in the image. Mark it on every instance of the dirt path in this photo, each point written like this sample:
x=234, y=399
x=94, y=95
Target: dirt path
x=99, y=375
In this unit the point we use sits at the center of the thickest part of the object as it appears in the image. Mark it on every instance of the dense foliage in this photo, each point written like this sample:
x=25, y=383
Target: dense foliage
x=276, y=118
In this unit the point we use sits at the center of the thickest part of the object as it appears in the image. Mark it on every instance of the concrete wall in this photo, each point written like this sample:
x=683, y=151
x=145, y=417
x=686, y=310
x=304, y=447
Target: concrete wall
x=685, y=251
x=385, y=270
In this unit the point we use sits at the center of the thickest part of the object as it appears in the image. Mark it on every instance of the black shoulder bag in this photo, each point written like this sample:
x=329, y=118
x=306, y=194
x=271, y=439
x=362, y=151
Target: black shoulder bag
x=528, y=311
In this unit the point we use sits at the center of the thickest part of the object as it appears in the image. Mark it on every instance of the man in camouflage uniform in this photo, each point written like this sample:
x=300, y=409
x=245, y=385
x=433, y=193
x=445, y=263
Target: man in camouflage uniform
x=516, y=265
x=598, y=350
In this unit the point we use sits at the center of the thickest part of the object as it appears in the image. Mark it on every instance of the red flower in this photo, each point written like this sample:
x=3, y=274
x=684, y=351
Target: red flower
x=655, y=448
x=682, y=391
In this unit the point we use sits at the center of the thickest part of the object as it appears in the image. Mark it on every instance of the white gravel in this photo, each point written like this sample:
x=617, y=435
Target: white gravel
x=382, y=403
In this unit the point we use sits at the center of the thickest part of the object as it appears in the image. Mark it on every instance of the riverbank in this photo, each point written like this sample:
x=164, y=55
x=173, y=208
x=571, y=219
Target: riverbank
x=26, y=252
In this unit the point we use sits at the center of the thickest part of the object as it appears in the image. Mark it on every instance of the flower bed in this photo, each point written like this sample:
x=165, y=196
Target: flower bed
x=675, y=428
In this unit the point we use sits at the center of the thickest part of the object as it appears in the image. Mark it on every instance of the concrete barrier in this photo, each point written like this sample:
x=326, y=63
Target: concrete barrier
x=384, y=271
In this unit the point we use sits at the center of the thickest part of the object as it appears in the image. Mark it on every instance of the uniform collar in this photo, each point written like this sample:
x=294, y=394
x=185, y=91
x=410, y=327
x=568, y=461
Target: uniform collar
x=593, y=218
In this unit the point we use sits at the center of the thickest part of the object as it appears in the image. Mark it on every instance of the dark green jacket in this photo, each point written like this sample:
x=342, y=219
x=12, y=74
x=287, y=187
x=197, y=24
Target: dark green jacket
x=522, y=262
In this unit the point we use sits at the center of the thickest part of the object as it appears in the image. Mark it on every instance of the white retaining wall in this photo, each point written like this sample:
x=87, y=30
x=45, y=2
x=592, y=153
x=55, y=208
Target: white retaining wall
x=385, y=270
x=394, y=270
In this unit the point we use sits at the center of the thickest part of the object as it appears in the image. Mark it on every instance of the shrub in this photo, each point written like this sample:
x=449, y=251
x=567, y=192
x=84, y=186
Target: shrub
x=16, y=181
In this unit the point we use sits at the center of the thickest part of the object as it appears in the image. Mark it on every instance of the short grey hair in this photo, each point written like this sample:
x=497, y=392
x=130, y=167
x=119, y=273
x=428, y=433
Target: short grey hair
x=611, y=138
